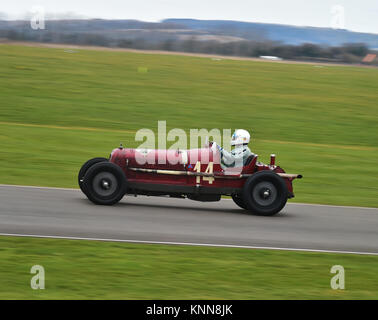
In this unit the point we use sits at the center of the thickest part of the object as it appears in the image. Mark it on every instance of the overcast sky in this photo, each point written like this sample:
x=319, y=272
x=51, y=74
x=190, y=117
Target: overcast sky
x=360, y=15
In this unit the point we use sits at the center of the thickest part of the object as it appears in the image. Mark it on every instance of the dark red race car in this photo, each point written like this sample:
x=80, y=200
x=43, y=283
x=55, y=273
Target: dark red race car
x=194, y=174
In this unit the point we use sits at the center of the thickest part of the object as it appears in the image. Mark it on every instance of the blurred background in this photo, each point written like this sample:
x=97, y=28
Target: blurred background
x=341, y=31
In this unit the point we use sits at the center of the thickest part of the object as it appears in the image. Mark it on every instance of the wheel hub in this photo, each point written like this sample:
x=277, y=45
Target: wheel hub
x=264, y=193
x=105, y=184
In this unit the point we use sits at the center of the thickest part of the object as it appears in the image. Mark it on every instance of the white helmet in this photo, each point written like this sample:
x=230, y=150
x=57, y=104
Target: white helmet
x=239, y=137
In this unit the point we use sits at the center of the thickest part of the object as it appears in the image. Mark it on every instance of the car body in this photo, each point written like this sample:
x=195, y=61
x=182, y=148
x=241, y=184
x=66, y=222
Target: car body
x=196, y=174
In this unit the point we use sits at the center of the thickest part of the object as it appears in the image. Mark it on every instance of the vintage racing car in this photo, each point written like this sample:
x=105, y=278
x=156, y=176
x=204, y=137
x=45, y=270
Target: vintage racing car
x=195, y=174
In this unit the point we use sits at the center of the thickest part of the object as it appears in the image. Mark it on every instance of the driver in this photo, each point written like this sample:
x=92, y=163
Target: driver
x=238, y=156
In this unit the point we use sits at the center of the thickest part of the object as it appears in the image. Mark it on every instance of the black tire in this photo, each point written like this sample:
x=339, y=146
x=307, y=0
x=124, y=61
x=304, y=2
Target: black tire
x=265, y=193
x=239, y=201
x=105, y=183
x=84, y=168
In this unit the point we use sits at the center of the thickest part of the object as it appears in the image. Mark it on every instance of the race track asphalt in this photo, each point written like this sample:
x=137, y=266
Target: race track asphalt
x=68, y=213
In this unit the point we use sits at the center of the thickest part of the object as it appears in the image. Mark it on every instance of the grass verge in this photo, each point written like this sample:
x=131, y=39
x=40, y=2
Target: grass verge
x=77, y=269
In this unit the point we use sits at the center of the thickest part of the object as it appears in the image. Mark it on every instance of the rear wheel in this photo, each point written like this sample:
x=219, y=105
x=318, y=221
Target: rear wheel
x=105, y=183
x=239, y=201
x=265, y=193
x=84, y=168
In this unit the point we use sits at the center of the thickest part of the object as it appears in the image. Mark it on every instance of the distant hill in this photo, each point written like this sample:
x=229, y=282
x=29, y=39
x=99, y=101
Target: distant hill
x=173, y=29
x=231, y=38
x=277, y=32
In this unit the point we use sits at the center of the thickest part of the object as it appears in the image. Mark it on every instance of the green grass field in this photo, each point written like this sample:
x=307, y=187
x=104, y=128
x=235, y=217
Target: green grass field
x=97, y=270
x=57, y=109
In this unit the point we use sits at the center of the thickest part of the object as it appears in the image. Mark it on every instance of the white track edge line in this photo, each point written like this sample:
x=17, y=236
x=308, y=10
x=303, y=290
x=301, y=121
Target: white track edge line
x=290, y=203
x=185, y=244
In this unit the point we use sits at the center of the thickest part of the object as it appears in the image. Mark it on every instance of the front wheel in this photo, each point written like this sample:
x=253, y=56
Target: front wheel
x=105, y=183
x=84, y=168
x=265, y=193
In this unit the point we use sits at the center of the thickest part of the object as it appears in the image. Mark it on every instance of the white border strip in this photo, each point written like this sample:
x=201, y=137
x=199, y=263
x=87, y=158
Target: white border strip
x=185, y=244
x=290, y=203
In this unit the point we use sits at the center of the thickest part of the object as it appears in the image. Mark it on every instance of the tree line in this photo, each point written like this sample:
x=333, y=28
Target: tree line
x=347, y=53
